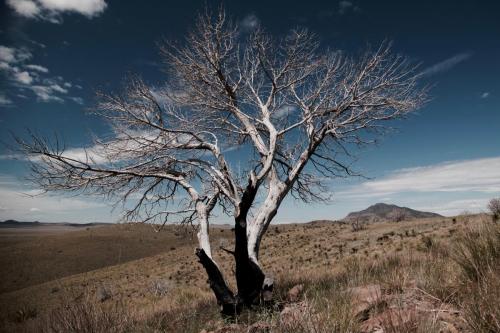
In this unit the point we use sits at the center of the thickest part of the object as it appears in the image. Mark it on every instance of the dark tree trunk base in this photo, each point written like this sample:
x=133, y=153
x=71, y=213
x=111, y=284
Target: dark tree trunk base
x=230, y=304
x=250, y=279
x=253, y=287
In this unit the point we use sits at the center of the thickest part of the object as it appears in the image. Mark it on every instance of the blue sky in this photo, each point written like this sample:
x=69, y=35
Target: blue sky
x=54, y=55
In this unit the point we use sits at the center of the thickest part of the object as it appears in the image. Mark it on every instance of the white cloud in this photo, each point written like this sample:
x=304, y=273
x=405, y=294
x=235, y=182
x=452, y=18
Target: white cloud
x=89, y=8
x=249, y=22
x=58, y=88
x=50, y=10
x=284, y=111
x=11, y=55
x=45, y=93
x=34, y=42
x=25, y=8
x=4, y=66
x=7, y=54
x=446, y=65
x=77, y=100
x=38, y=68
x=31, y=76
x=485, y=95
x=23, y=77
x=480, y=175
x=4, y=100
x=97, y=154
x=456, y=207
x=86, y=154
x=18, y=203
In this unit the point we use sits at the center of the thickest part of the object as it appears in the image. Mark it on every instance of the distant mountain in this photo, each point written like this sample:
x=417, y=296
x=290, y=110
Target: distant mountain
x=18, y=224
x=386, y=212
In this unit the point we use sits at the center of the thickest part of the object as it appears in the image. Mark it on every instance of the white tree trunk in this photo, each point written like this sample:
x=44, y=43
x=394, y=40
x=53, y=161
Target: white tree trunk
x=264, y=216
x=203, y=232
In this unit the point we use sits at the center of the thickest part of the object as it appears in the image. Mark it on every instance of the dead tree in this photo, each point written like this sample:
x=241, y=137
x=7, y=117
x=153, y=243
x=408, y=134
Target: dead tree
x=494, y=208
x=358, y=224
x=294, y=111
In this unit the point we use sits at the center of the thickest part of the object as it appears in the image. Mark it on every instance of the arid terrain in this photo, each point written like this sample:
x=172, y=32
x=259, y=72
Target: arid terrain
x=408, y=276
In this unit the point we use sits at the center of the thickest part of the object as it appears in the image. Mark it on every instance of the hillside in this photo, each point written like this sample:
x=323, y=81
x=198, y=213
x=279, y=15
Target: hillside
x=38, y=254
x=383, y=212
x=127, y=278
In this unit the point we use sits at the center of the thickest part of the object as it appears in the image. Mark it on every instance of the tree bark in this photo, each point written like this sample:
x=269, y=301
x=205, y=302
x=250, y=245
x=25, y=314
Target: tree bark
x=253, y=286
x=249, y=275
x=230, y=306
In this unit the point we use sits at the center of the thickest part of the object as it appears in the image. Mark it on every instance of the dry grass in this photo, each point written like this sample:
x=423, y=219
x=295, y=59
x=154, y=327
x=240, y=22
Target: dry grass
x=87, y=317
x=477, y=252
x=435, y=275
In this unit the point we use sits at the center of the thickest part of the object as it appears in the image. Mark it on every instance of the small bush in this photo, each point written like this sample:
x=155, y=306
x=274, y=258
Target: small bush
x=357, y=225
x=25, y=313
x=428, y=242
x=482, y=305
x=160, y=288
x=477, y=252
x=87, y=316
x=494, y=207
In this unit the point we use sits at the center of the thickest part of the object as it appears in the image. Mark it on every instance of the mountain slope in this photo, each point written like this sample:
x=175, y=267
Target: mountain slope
x=383, y=212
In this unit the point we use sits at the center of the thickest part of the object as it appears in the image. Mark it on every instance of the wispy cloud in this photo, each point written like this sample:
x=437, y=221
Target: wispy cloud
x=446, y=65
x=77, y=100
x=51, y=10
x=346, y=6
x=485, y=95
x=456, y=207
x=249, y=22
x=4, y=100
x=479, y=175
x=23, y=203
x=38, y=68
x=18, y=205
x=11, y=55
x=92, y=155
x=284, y=111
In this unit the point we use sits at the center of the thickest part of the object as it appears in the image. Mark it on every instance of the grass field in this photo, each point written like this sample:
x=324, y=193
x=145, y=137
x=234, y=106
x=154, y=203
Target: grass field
x=428, y=275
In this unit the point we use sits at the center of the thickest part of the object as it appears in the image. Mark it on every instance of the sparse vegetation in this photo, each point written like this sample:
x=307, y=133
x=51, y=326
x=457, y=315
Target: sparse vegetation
x=436, y=282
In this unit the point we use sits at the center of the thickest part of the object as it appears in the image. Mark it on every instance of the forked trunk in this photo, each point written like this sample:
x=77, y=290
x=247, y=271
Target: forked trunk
x=249, y=277
x=253, y=287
